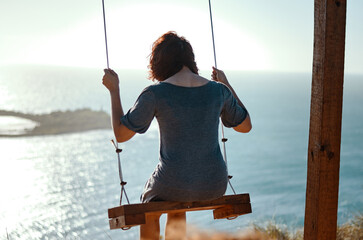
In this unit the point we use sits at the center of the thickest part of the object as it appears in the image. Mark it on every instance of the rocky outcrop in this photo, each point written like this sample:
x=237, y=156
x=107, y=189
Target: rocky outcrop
x=62, y=121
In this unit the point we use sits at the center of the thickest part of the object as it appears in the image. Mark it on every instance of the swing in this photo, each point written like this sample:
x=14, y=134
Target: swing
x=230, y=207
x=129, y=215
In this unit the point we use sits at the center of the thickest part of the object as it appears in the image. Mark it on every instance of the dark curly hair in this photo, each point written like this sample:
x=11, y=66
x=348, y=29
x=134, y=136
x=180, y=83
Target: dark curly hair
x=169, y=54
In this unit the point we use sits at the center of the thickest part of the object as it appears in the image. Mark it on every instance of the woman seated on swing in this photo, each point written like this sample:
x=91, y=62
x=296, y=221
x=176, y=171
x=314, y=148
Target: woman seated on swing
x=187, y=108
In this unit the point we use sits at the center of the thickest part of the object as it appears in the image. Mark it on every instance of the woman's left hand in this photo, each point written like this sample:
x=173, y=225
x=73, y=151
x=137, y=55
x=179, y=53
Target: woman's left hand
x=110, y=80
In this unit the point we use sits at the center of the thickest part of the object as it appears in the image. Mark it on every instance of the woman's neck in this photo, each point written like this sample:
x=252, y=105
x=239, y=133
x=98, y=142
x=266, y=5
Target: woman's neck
x=186, y=78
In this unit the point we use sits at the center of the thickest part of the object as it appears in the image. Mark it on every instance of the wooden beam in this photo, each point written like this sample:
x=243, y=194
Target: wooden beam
x=325, y=120
x=129, y=215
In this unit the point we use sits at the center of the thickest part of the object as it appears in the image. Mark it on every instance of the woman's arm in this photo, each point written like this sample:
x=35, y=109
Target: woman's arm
x=219, y=76
x=111, y=82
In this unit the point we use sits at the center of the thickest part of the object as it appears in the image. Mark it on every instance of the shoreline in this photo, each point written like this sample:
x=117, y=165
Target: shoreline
x=60, y=122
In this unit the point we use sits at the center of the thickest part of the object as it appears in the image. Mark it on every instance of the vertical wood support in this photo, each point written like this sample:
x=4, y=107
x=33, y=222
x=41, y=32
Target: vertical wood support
x=322, y=187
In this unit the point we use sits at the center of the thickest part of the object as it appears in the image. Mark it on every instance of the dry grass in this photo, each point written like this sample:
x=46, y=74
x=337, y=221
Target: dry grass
x=352, y=230
x=275, y=231
x=268, y=232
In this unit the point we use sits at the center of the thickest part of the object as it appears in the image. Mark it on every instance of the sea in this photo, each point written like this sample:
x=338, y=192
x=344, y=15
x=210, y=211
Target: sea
x=60, y=186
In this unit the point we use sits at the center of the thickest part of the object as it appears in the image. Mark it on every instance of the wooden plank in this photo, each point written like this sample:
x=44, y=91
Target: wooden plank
x=325, y=120
x=166, y=206
x=127, y=221
x=231, y=211
x=134, y=214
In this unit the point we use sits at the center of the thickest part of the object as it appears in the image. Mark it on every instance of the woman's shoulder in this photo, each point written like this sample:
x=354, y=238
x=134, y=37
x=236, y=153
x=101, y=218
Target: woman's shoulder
x=223, y=88
x=151, y=87
x=155, y=89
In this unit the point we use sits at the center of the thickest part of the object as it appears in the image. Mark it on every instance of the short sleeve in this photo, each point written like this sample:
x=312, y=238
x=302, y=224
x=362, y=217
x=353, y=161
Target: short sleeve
x=232, y=113
x=140, y=116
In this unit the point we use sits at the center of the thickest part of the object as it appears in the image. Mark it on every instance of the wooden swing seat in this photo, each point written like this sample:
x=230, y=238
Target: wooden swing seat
x=129, y=215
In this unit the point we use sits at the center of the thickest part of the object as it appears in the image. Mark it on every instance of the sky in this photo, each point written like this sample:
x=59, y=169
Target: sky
x=260, y=35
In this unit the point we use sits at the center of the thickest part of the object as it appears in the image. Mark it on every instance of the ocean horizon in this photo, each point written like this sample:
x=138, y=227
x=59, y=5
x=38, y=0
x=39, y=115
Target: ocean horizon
x=60, y=186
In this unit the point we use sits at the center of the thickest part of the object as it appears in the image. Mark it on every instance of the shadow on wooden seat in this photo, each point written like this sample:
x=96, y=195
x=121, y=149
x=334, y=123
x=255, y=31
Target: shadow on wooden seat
x=129, y=215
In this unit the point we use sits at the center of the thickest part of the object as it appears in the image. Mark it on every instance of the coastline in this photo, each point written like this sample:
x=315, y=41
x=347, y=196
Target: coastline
x=60, y=122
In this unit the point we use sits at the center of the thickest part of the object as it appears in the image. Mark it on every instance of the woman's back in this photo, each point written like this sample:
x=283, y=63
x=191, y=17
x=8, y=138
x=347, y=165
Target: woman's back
x=191, y=165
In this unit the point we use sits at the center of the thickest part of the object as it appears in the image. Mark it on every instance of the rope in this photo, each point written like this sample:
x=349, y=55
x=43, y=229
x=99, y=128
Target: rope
x=211, y=24
x=224, y=140
x=122, y=182
x=118, y=150
x=104, y=27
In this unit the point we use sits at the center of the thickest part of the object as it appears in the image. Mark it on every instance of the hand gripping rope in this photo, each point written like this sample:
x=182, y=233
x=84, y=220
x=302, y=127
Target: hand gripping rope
x=118, y=150
x=224, y=140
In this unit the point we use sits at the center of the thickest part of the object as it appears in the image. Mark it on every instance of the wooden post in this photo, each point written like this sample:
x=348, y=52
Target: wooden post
x=325, y=120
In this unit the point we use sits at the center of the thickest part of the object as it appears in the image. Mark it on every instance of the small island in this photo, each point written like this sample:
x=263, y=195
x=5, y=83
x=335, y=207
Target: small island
x=60, y=122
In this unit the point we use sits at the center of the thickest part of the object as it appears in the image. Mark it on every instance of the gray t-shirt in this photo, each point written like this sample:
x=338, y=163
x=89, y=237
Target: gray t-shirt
x=191, y=166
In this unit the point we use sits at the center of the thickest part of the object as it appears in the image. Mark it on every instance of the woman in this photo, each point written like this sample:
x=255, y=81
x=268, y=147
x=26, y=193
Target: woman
x=187, y=108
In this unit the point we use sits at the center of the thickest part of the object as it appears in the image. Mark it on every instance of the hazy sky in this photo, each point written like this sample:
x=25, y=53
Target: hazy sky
x=250, y=35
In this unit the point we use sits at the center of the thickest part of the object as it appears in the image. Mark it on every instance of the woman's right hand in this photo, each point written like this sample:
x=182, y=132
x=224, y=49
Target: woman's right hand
x=110, y=80
x=219, y=76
